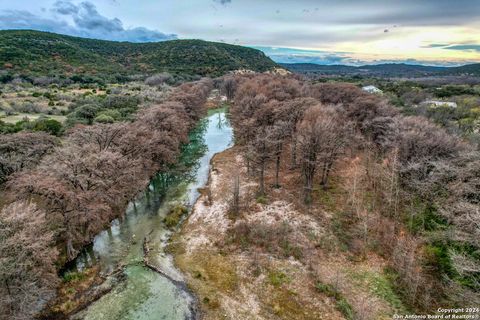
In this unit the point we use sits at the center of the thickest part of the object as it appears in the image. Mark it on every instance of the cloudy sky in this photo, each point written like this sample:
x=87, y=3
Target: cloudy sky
x=435, y=32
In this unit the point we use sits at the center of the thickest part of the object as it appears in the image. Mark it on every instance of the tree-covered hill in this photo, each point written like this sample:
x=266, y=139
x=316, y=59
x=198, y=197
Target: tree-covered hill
x=31, y=53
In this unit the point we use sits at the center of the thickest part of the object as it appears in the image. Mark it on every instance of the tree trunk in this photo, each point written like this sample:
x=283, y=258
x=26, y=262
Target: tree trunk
x=10, y=299
x=70, y=249
x=324, y=171
x=294, y=154
x=236, y=196
x=262, y=179
x=308, y=191
x=277, y=169
x=326, y=174
x=309, y=174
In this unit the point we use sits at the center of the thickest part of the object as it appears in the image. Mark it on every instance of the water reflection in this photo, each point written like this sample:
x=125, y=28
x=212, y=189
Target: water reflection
x=121, y=244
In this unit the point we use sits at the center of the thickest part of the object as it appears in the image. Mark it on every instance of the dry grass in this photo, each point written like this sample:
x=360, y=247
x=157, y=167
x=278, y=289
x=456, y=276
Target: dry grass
x=265, y=262
x=71, y=293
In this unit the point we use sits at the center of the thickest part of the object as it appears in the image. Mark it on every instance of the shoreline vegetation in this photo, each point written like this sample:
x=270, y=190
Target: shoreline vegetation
x=318, y=223
x=80, y=289
x=331, y=204
x=76, y=197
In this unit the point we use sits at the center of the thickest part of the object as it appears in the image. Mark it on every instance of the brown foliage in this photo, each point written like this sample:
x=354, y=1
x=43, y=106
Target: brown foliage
x=88, y=181
x=229, y=86
x=411, y=166
x=27, y=274
x=321, y=136
x=23, y=150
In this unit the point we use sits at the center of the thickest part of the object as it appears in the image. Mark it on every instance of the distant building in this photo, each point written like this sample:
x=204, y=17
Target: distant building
x=439, y=103
x=372, y=89
x=278, y=71
x=242, y=71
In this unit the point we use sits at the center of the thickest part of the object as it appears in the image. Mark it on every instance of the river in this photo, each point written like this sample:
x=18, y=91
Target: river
x=144, y=294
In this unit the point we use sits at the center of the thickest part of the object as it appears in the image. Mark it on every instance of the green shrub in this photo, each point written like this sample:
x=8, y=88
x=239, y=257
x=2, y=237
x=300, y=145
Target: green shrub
x=84, y=114
x=341, y=303
x=47, y=125
x=326, y=289
x=437, y=257
x=277, y=278
x=427, y=219
x=345, y=308
x=115, y=114
x=103, y=118
x=71, y=276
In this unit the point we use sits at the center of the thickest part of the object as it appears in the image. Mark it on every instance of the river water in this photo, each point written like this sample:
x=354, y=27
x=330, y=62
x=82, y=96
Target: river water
x=145, y=294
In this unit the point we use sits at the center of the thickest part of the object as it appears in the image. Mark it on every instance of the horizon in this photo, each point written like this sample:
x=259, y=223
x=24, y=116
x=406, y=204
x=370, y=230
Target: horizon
x=273, y=58
x=348, y=33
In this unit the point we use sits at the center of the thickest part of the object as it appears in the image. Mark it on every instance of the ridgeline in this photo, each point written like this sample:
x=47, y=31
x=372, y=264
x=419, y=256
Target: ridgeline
x=31, y=53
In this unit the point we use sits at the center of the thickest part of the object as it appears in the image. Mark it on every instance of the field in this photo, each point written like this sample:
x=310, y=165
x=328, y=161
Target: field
x=12, y=119
x=24, y=105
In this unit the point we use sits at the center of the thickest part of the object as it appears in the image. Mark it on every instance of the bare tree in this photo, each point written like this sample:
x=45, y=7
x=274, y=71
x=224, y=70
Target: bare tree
x=27, y=255
x=259, y=151
x=22, y=151
x=158, y=79
x=317, y=136
x=236, y=196
x=229, y=87
x=278, y=135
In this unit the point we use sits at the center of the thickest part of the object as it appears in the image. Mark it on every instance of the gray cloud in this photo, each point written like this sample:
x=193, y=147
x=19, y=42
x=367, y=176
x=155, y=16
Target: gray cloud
x=289, y=55
x=87, y=22
x=459, y=47
x=464, y=47
x=222, y=2
x=65, y=7
x=20, y=19
x=436, y=45
x=387, y=12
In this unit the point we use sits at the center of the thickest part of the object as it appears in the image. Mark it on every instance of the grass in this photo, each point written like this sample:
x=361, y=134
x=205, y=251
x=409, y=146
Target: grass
x=285, y=305
x=174, y=216
x=262, y=199
x=277, y=278
x=19, y=117
x=212, y=275
x=341, y=303
x=73, y=276
x=290, y=250
x=331, y=198
x=70, y=291
x=209, y=270
x=380, y=285
x=272, y=238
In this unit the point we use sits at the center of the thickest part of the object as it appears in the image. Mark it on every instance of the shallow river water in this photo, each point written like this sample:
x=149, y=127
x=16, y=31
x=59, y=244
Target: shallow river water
x=145, y=294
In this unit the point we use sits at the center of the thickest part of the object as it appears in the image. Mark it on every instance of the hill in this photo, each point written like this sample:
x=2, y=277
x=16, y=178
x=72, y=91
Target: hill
x=384, y=70
x=30, y=52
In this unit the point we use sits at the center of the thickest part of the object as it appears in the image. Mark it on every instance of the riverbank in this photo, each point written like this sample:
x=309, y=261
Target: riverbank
x=126, y=271
x=275, y=258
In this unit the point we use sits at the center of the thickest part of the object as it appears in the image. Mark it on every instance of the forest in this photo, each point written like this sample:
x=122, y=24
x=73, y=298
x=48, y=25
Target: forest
x=59, y=194
x=28, y=53
x=414, y=199
x=411, y=197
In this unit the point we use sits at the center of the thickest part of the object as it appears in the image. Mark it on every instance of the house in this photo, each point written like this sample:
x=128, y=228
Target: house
x=372, y=89
x=439, y=103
